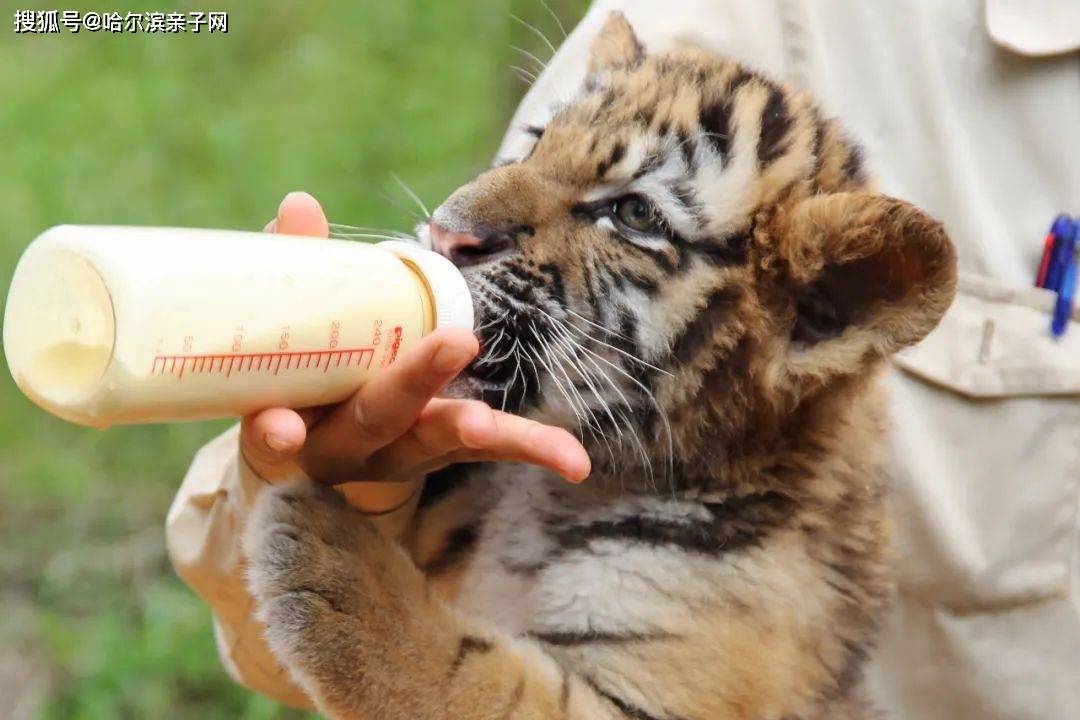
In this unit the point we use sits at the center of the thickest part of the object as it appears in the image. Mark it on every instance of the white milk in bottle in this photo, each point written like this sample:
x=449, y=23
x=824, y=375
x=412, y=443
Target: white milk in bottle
x=113, y=325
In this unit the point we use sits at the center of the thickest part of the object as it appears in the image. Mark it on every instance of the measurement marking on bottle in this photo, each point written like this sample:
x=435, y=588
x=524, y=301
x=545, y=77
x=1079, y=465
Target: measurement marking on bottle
x=234, y=363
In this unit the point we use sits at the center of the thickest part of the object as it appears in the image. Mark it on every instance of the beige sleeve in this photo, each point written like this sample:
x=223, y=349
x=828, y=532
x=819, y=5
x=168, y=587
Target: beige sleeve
x=203, y=532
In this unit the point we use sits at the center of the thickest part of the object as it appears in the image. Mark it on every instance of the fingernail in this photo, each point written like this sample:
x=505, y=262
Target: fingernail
x=285, y=200
x=450, y=358
x=276, y=442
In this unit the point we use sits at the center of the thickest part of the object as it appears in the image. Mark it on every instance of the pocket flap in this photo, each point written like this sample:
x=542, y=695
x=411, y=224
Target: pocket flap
x=995, y=342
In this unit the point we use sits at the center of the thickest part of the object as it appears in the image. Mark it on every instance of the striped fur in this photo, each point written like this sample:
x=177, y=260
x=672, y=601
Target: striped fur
x=728, y=559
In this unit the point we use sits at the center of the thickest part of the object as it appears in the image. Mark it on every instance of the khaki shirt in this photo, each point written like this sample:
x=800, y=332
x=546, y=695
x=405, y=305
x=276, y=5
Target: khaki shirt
x=970, y=109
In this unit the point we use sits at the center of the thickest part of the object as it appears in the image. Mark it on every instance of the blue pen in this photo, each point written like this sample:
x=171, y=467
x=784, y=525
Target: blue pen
x=1064, y=231
x=1064, y=306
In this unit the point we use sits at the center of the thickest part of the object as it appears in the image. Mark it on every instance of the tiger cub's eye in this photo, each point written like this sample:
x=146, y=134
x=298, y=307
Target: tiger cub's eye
x=635, y=213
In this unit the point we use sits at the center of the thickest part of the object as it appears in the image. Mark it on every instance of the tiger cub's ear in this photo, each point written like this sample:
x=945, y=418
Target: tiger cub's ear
x=615, y=45
x=868, y=274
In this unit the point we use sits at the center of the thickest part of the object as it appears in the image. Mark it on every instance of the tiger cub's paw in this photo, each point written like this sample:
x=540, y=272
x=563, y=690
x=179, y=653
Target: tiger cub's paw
x=302, y=544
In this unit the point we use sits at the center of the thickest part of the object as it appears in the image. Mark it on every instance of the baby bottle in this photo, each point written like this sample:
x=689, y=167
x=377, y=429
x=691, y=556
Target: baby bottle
x=115, y=325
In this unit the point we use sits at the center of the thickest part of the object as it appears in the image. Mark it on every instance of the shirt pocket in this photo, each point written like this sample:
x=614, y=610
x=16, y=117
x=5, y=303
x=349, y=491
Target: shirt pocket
x=985, y=453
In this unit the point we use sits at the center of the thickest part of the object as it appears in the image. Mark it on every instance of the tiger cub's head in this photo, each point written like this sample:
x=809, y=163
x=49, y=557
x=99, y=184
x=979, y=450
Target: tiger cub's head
x=687, y=262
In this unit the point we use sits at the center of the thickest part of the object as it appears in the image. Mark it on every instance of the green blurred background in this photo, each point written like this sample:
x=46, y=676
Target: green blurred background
x=200, y=130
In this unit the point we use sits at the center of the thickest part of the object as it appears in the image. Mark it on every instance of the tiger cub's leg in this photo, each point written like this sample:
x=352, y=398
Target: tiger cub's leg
x=355, y=622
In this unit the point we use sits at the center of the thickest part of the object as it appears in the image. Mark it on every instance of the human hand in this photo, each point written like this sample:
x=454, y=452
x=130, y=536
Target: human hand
x=394, y=430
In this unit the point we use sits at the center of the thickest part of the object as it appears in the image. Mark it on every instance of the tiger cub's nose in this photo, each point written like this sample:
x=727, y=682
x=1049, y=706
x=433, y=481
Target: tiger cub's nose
x=472, y=248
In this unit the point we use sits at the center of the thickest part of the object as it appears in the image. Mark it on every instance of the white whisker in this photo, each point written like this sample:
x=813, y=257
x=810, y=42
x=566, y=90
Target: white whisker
x=569, y=338
x=646, y=460
x=493, y=321
x=370, y=236
x=573, y=351
x=541, y=66
x=569, y=401
x=593, y=425
x=545, y=347
x=403, y=208
x=596, y=325
x=409, y=191
x=495, y=360
x=629, y=356
x=571, y=359
x=490, y=348
x=517, y=371
x=343, y=228
x=554, y=17
x=648, y=393
x=536, y=31
x=524, y=74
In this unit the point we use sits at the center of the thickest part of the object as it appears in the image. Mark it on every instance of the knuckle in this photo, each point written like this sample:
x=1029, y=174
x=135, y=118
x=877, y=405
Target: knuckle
x=366, y=422
x=476, y=425
x=480, y=411
x=419, y=385
x=429, y=444
x=531, y=431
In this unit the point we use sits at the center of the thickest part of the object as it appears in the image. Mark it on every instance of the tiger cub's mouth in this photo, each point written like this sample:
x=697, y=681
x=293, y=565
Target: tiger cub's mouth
x=482, y=380
x=501, y=374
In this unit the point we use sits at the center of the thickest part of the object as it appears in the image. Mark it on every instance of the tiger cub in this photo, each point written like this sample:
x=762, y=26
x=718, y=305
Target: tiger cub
x=689, y=268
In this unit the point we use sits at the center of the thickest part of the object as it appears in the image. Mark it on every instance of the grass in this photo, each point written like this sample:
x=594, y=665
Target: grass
x=330, y=97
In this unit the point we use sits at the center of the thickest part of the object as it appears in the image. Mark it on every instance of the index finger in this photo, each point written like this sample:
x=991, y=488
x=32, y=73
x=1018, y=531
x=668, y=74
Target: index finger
x=387, y=406
x=459, y=430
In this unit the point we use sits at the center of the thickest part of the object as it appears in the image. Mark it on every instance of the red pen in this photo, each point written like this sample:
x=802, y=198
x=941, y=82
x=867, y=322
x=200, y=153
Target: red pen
x=1044, y=265
x=1062, y=227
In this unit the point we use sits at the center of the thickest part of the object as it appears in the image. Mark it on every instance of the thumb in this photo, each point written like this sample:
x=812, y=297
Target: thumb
x=270, y=441
x=300, y=214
